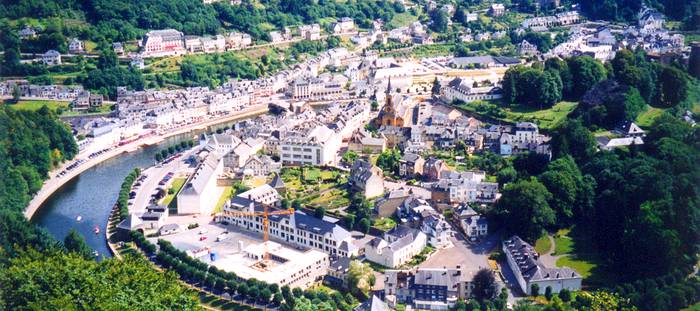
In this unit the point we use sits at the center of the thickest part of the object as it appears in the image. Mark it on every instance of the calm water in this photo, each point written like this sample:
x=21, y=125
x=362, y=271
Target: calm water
x=92, y=194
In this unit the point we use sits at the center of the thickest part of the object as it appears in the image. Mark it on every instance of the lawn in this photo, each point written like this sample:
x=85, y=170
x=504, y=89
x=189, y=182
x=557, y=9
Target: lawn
x=176, y=186
x=384, y=223
x=228, y=192
x=563, y=244
x=578, y=252
x=402, y=20
x=544, y=118
x=646, y=118
x=33, y=105
x=543, y=244
x=695, y=307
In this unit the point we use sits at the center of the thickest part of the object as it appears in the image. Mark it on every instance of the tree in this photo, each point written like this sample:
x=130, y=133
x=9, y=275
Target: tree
x=371, y=281
x=265, y=296
x=548, y=293
x=350, y=157
x=277, y=299
x=524, y=208
x=349, y=221
x=565, y=295
x=586, y=72
x=506, y=175
x=439, y=19
x=673, y=87
x=320, y=212
x=74, y=242
x=535, y=290
x=59, y=281
x=358, y=277
x=436, y=87
x=15, y=94
x=364, y=225
x=485, y=286
x=572, y=138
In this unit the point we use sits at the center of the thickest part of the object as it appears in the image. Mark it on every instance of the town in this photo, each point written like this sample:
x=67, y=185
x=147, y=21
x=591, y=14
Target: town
x=475, y=158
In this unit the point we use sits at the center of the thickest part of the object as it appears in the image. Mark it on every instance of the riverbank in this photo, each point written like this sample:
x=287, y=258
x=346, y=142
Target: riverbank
x=54, y=182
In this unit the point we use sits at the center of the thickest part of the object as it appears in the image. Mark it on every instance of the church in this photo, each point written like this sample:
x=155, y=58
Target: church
x=397, y=111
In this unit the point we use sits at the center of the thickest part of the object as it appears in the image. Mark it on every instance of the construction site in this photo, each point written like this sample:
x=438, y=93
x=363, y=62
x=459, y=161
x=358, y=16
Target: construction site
x=247, y=254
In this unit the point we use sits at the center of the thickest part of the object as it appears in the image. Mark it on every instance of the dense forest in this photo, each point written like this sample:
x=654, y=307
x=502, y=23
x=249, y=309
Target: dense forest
x=639, y=204
x=120, y=20
x=38, y=272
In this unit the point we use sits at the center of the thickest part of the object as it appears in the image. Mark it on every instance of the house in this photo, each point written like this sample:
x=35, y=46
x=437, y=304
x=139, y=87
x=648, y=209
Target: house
x=524, y=262
x=87, y=100
x=137, y=62
x=27, y=33
x=276, y=37
x=278, y=184
x=629, y=129
x=606, y=143
x=344, y=25
x=310, y=32
x=338, y=272
x=497, y=9
x=650, y=20
x=468, y=91
x=411, y=165
x=118, y=48
x=390, y=203
x=367, y=178
x=437, y=230
x=397, y=247
x=526, y=48
x=373, y=304
x=427, y=288
x=473, y=224
x=464, y=187
x=199, y=194
x=260, y=165
x=433, y=168
x=363, y=141
x=76, y=46
x=51, y=58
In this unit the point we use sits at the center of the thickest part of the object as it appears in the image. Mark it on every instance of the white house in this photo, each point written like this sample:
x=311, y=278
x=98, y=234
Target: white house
x=474, y=225
x=367, y=178
x=344, y=25
x=397, y=247
x=76, y=46
x=524, y=262
x=200, y=194
x=51, y=58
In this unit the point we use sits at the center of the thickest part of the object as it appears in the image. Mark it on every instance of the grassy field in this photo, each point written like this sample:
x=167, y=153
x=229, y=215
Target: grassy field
x=646, y=118
x=34, y=105
x=543, y=244
x=176, y=186
x=695, y=307
x=563, y=244
x=577, y=252
x=384, y=223
x=228, y=192
x=544, y=118
x=402, y=20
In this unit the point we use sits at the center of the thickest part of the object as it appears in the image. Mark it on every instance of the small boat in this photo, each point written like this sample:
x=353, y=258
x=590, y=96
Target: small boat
x=79, y=218
x=96, y=254
x=97, y=230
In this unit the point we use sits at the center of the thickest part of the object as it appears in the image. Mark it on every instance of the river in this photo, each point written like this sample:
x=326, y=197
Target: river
x=92, y=194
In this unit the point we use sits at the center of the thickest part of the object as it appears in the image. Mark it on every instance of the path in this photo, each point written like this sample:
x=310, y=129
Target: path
x=547, y=258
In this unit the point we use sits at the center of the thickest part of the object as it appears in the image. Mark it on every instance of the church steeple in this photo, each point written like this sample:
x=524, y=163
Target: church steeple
x=388, y=87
